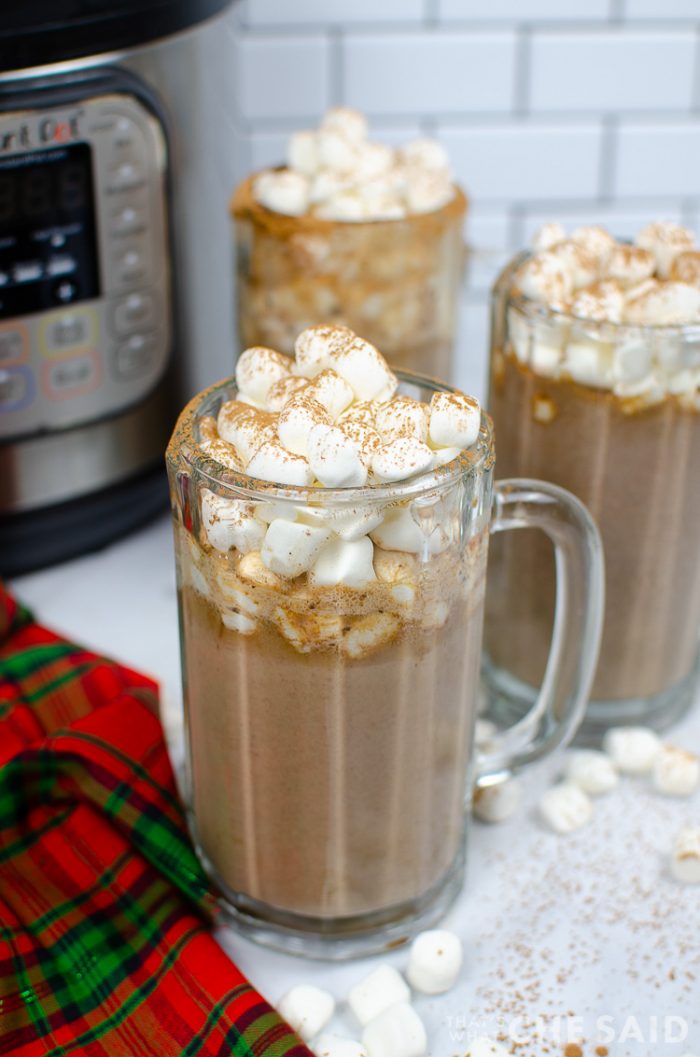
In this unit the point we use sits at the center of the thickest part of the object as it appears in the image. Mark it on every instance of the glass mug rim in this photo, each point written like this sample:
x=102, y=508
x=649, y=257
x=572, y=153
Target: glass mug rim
x=477, y=459
x=539, y=309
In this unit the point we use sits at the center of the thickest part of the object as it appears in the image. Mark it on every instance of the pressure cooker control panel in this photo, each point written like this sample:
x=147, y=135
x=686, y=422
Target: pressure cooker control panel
x=85, y=297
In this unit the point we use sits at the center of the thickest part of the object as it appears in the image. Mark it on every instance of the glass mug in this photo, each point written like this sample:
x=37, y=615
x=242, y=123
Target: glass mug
x=396, y=282
x=632, y=457
x=329, y=730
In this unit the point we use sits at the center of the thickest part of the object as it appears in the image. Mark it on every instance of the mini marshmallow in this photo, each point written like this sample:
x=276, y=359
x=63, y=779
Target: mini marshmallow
x=685, y=862
x=369, y=633
x=498, y=801
x=331, y=391
x=247, y=428
x=485, y=1047
x=632, y=749
x=239, y=622
x=342, y=562
x=577, y=261
x=296, y=420
x=338, y=1046
x=327, y=184
x=665, y=240
x=230, y=523
x=565, y=808
x=315, y=346
x=350, y=523
x=252, y=569
x=675, y=772
x=544, y=277
x=285, y=192
x=373, y=167
x=425, y=153
x=587, y=362
x=402, y=416
x=335, y=458
x=365, y=370
x=349, y=123
x=397, y=1032
x=395, y=566
x=257, y=369
x=596, y=241
x=592, y=771
x=335, y=151
x=361, y=413
x=455, y=420
x=630, y=265
x=235, y=593
x=632, y=361
x=308, y=631
x=283, y=390
x=307, y=1009
x=302, y=152
x=434, y=961
x=384, y=987
x=291, y=548
x=401, y=458
x=686, y=268
x=656, y=304
x=399, y=531
x=365, y=438
x=272, y=462
x=604, y=302
x=347, y=205
x=547, y=236
x=428, y=190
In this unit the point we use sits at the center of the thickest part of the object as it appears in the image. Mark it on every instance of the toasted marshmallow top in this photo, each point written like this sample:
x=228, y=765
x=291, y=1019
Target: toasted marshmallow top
x=338, y=173
x=332, y=417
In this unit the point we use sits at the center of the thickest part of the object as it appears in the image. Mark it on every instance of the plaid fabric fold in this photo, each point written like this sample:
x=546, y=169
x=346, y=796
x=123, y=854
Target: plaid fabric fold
x=104, y=909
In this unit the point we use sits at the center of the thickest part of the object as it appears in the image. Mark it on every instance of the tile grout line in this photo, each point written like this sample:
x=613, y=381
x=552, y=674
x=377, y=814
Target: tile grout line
x=608, y=158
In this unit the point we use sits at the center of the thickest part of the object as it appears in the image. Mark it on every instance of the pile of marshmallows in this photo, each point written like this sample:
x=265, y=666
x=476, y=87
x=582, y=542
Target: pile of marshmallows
x=567, y=806
x=653, y=282
x=381, y=1005
x=330, y=418
x=336, y=173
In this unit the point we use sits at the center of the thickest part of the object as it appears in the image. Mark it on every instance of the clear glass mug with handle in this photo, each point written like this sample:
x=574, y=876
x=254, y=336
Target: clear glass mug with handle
x=330, y=730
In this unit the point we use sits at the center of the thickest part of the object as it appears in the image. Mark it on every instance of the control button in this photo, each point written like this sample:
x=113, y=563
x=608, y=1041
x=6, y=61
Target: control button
x=13, y=344
x=71, y=377
x=27, y=273
x=125, y=133
x=61, y=266
x=68, y=331
x=65, y=291
x=134, y=312
x=126, y=176
x=131, y=266
x=128, y=220
x=16, y=388
x=135, y=356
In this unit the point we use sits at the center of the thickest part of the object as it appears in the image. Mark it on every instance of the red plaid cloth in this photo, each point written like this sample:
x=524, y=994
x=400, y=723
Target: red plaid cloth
x=104, y=948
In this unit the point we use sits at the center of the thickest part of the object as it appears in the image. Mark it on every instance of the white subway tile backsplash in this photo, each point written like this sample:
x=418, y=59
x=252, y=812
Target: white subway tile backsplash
x=429, y=73
x=282, y=76
x=472, y=352
x=526, y=161
x=519, y=11
x=658, y=159
x=661, y=9
x=611, y=70
x=488, y=237
x=331, y=12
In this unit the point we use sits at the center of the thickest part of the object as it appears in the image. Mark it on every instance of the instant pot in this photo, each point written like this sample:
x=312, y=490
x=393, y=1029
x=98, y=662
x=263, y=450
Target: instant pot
x=106, y=136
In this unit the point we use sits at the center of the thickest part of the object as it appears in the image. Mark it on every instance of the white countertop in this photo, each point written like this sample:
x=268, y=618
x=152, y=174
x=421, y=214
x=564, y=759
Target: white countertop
x=568, y=929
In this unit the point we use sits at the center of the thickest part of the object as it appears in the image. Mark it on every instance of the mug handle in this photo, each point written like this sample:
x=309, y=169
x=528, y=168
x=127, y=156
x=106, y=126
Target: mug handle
x=578, y=622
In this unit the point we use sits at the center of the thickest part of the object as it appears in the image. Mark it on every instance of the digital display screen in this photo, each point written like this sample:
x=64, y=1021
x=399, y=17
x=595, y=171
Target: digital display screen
x=48, y=243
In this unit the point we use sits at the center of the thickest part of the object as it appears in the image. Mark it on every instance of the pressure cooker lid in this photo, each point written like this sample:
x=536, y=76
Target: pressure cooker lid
x=39, y=32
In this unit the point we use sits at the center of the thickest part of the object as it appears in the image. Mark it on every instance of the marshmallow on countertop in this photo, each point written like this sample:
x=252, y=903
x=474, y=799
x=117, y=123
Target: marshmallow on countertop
x=685, y=862
x=455, y=420
x=396, y=1032
x=307, y=1009
x=338, y=1046
x=282, y=191
x=632, y=749
x=593, y=772
x=675, y=772
x=665, y=240
x=257, y=369
x=434, y=961
x=291, y=548
x=334, y=458
x=383, y=987
x=496, y=802
x=346, y=563
x=565, y=808
x=230, y=523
